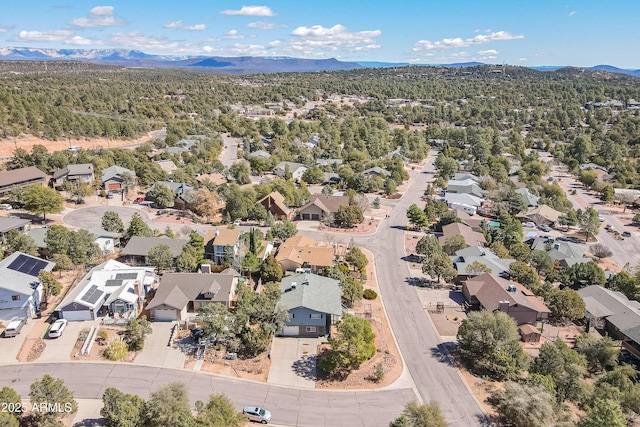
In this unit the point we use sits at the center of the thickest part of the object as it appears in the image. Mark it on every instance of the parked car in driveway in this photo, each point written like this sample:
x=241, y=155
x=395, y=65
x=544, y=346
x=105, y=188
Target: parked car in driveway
x=626, y=234
x=544, y=228
x=14, y=327
x=529, y=224
x=253, y=413
x=57, y=328
x=6, y=206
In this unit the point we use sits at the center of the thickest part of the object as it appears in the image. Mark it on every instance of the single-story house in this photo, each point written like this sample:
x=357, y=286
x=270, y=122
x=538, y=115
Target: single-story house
x=465, y=186
x=20, y=290
x=492, y=293
x=304, y=252
x=314, y=304
x=259, y=153
x=473, y=221
x=295, y=169
x=457, y=199
x=328, y=162
x=215, y=178
x=80, y=172
x=181, y=295
x=137, y=248
x=464, y=258
x=566, y=253
x=472, y=238
x=166, y=165
x=529, y=198
x=110, y=287
x=21, y=177
x=112, y=177
x=182, y=146
x=462, y=176
x=107, y=241
x=612, y=312
x=376, y=171
x=274, y=202
x=320, y=207
x=222, y=244
x=542, y=214
x=8, y=224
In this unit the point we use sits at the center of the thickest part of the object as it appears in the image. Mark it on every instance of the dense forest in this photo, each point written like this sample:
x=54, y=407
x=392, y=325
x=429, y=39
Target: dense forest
x=581, y=116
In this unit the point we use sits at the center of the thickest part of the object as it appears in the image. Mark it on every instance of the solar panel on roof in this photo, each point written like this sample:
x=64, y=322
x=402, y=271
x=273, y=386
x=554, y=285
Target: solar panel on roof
x=28, y=265
x=92, y=295
x=113, y=282
x=126, y=276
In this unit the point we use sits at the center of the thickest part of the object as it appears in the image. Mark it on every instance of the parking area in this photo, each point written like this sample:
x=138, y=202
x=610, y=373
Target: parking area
x=156, y=352
x=293, y=362
x=59, y=349
x=10, y=347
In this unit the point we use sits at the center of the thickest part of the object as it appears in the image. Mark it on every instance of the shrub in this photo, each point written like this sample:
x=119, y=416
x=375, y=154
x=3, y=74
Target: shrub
x=136, y=344
x=116, y=350
x=379, y=373
x=369, y=294
x=102, y=336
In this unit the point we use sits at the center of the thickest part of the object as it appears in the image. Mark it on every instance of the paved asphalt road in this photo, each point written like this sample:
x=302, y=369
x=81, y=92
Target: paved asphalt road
x=229, y=153
x=289, y=406
x=428, y=363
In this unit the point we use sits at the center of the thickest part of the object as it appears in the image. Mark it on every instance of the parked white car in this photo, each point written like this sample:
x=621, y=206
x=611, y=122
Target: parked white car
x=6, y=206
x=529, y=224
x=57, y=328
x=253, y=413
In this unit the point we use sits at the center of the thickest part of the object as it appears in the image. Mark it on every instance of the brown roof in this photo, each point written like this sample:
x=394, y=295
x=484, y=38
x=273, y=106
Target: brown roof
x=490, y=290
x=225, y=237
x=214, y=177
x=17, y=176
x=328, y=204
x=473, y=222
x=473, y=238
x=177, y=289
x=301, y=249
x=527, y=329
x=277, y=199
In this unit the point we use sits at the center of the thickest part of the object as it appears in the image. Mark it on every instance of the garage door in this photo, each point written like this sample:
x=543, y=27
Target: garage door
x=290, y=331
x=76, y=316
x=164, y=315
x=315, y=217
x=113, y=187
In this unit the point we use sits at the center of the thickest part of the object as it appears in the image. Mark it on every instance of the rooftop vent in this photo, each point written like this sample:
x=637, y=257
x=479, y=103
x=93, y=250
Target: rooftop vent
x=511, y=288
x=205, y=268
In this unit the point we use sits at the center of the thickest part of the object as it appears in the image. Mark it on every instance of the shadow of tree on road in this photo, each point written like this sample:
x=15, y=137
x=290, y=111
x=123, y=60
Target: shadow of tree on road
x=441, y=354
x=305, y=367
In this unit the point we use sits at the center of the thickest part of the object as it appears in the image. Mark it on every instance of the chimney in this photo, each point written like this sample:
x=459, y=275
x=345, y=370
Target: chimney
x=294, y=285
x=217, y=232
x=504, y=306
x=556, y=246
x=205, y=268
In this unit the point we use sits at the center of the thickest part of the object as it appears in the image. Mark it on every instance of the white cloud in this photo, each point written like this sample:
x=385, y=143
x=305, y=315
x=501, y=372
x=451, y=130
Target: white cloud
x=44, y=36
x=522, y=59
x=250, y=11
x=233, y=35
x=3, y=30
x=572, y=13
x=138, y=40
x=275, y=43
x=367, y=47
x=248, y=49
x=265, y=25
x=99, y=16
x=458, y=42
x=78, y=41
x=178, y=25
x=488, y=52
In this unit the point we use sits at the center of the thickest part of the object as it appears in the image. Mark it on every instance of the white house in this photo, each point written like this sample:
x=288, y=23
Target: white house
x=20, y=290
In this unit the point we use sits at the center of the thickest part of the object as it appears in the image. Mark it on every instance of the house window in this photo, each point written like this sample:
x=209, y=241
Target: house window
x=293, y=315
x=15, y=297
x=311, y=329
x=316, y=316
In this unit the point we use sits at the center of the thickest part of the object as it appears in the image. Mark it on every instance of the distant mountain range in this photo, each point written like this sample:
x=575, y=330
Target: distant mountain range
x=234, y=65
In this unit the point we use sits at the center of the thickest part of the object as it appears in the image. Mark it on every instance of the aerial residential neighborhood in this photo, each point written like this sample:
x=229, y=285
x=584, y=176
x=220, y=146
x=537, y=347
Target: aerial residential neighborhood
x=279, y=237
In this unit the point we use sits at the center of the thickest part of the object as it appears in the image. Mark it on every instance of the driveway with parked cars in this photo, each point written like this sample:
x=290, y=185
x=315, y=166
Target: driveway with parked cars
x=10, y=347
x=59, y=349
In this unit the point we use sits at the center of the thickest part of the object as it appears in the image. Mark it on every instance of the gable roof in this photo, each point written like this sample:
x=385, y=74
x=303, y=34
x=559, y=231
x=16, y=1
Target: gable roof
x=465, y=257
x=376, y=170
x=74, y=170
x=463, y=199
x=328, y=204
x=280, y=168
x=301, y=249
x=19, y=272
x=318, y=293
x=529, y=198
x=472, y=238
x=471, y=221
x=545, y=212
x=177, y=289
x=140, y=246
x=166, y=165
x=223, y=236
x=615, y=307
x=490, y=290
x=277, y=199
x=115, y=172
x=20, y=175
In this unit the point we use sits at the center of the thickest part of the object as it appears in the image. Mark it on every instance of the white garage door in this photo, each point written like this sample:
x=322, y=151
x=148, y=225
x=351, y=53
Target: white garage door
x=164, y=315
x=290, y=331
x=76, y=315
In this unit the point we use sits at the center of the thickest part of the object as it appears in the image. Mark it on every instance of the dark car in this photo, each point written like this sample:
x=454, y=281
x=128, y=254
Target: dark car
x=626, y=234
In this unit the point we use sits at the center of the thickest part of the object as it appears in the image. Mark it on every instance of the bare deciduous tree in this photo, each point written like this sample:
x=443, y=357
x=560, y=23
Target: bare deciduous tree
x=600, y=251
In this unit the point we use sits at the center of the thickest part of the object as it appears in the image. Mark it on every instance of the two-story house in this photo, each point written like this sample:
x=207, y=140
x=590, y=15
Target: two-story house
x=221, y=245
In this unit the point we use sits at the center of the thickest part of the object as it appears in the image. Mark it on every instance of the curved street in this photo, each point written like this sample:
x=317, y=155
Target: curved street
x=426, y=359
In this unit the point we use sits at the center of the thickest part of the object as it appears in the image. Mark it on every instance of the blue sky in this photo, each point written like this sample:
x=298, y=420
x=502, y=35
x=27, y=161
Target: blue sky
x=520, y=32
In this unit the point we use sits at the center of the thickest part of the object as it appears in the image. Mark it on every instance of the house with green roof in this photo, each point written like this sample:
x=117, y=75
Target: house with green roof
x=313, y=302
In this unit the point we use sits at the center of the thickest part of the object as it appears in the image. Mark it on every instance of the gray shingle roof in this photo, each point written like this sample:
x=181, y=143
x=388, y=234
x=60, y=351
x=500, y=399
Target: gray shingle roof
x=626, y=314
x=314, y=292
x=177, y=289
x=140, y=246
x=7, y=224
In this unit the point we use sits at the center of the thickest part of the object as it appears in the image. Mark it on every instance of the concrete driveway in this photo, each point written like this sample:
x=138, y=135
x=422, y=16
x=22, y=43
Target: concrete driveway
x=59, y=349
x=10, y=347
x=92, y=216
x=156, y=352
x=293, y=362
